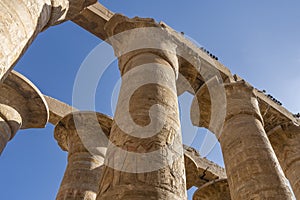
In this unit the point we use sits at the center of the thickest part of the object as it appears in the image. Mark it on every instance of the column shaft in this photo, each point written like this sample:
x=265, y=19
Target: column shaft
x=82, y=175
x=5, y=134
x=10, y=123
x=285, y=140
x=252, y=168
x=142, y=175
x=144, y=158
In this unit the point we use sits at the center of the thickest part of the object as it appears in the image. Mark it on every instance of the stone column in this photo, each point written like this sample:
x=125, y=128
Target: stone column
x=85, y=136
x=22, y=106
x=285, y=140
x=21, y=21
x=213, y=190
x=10, y=123
x=145, y=157
x=251, y=165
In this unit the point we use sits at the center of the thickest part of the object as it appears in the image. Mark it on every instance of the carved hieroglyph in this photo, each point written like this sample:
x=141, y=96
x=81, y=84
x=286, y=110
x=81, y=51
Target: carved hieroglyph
x=21, y=21
x=85, y=136
x=22, y=106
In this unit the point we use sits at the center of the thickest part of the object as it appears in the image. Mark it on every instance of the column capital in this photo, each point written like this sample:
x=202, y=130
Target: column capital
x=21, y=106
x=63, y=10
x=213, y=190
x=85, y=125
x=216, y=102
x=241, y=99
x=135, y=36
x=17, y=91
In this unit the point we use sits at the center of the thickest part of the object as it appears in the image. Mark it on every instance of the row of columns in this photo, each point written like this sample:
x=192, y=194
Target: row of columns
x=143, y=159
x=79, y=133
x=251, y=164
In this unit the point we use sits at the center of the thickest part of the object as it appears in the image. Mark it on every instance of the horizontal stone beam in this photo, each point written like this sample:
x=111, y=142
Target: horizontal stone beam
x=199, y=170
x=57, y=109
x=93, y=19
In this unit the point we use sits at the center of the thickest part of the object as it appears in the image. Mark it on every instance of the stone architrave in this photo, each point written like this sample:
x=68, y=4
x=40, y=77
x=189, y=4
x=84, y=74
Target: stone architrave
x=145, y=157
x=84, y=135
x=213, y=190
x=22, y=106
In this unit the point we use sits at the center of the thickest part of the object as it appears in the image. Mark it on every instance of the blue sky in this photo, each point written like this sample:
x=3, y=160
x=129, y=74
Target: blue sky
x=258, y=40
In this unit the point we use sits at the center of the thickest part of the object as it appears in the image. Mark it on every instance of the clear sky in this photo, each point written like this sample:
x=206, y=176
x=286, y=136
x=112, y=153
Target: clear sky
x=258, y=40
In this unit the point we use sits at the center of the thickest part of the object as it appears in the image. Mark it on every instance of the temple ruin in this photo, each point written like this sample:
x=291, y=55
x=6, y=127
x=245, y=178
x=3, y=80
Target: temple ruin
x=259, y=138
